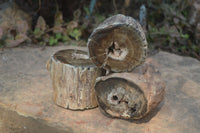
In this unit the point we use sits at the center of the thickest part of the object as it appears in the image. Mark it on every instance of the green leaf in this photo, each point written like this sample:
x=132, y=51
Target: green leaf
x=183, y=47
x=186, y=36
x=2, y=43
x=74, y=44
x=36, y=31
x=55, y=41
x=76, y=34
x=58, y=18
x=162, y=30
x=52, y=41
x=58, y=36
x=65, y=38
x=99, y=18
x=41, y=24
x=86, y=9
x=196, y=48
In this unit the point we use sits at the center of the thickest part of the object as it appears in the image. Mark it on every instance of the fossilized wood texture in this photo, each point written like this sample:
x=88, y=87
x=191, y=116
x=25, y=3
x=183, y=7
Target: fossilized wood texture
x=118, y=44
x=73, y=76
x=130, y=95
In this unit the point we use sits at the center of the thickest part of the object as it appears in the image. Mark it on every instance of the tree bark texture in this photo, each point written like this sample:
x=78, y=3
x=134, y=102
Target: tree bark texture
x=130, y=95
x=118, y=44
x=73, y=77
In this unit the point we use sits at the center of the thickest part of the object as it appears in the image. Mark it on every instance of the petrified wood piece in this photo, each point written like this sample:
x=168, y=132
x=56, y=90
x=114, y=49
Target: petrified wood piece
x=118, y=44
x=130, y=95
x=73, y=76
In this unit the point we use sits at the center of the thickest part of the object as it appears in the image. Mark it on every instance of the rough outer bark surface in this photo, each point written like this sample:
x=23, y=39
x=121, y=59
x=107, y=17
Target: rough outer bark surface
x=118, y=44
x=73, y=76
x=130, y=95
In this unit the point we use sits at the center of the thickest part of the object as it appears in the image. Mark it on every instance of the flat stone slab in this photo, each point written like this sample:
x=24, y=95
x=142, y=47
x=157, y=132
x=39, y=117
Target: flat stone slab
x=25, y=87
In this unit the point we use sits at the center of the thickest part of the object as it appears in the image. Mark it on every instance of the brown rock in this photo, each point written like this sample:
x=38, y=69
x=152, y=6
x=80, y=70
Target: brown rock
x=130, y=95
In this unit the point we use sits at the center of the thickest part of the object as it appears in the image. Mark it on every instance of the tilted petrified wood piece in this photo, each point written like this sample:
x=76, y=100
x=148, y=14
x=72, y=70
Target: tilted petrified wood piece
x=73, y=76
x=130, y=95
x=118, y=44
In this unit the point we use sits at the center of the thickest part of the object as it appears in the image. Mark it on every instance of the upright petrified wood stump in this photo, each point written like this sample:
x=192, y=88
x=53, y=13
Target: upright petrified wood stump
x=130, y=95
x=118, y=44
x=73, y=76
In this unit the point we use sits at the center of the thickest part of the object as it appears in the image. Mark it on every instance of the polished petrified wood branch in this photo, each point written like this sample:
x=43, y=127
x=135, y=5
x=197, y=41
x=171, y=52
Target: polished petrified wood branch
x=130, y=95
x=118, y=44
x=73, y=76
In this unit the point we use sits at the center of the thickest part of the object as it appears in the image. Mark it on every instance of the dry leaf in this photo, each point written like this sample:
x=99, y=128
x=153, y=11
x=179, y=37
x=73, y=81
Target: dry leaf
x=57, y=29
x=41, y=24
x=20, y=38
x=58, y=21
x=72, y=25
x=22, y=26
x=77, y=14
x=127, y=3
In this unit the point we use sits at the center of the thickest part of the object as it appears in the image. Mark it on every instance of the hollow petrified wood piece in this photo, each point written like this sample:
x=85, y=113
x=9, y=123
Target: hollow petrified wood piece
x=118, y=44
x=73, y=76
x=130, y=95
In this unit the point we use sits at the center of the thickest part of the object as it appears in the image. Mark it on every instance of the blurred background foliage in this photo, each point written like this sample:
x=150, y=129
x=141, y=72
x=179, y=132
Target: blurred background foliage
x=171, y=25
